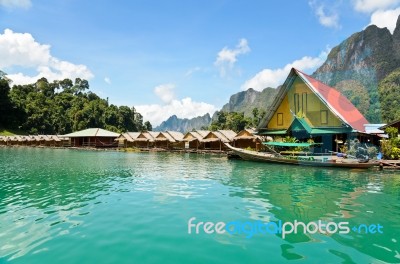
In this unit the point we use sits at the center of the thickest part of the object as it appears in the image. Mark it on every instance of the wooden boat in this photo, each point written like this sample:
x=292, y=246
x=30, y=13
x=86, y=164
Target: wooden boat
x=294, y=160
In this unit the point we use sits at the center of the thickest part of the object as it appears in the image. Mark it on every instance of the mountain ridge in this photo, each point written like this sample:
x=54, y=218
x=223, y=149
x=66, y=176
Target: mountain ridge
x=355, y=67
x=184, y=124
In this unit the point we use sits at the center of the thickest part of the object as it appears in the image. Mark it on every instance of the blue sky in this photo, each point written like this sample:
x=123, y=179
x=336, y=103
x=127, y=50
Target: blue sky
x=177, y=57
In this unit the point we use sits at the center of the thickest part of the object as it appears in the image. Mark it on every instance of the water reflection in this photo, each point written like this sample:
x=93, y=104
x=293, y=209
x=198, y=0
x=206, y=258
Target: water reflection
x=113, y=197
x=305, y=194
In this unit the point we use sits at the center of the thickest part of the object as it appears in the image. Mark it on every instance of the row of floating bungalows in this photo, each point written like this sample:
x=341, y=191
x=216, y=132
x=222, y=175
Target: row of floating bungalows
x=35, y=140
x=100, y=138
x=196, y=140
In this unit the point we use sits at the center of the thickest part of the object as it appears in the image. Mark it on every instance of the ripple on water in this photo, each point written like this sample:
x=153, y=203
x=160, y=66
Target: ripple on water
x=122, y=207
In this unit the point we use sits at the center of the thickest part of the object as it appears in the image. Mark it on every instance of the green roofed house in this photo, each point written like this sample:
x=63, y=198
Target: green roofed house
x=93, y=137
x=305, y=108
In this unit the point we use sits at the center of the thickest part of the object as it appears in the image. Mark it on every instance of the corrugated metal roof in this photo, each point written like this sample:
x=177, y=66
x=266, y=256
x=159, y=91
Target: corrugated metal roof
x=92, y=132
x=337, y=102
x=374, y=128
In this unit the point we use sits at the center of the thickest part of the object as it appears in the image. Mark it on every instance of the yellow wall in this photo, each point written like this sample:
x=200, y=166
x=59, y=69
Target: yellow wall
x=308, y=106
x=211, y=135
x=188, y=136
x=287, y=117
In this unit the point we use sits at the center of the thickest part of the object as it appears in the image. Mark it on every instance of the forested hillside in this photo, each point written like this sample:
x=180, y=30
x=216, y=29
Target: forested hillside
x=61, y=107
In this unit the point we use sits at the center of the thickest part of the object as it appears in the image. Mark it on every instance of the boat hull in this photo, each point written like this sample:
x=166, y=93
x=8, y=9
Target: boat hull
x=272, y=158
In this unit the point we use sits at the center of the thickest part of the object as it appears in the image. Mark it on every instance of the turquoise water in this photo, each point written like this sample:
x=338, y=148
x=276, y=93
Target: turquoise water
x=70, y=206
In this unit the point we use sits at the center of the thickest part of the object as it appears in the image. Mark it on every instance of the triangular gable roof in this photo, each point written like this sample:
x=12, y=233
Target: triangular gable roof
x=92, y=132
x=161, y=136
x=168, y=136
x=229, y=134
x=154, y=134
x=247, y=133
x=194, y=134
x=133, y=135
x=218, y=136
x=300, y=124
x=203, y=133
x=145, y=135
x=54, y=137
x=178, y=136
x=336, y=102
x=44, y=137
x=125, y=136
x=392, y=124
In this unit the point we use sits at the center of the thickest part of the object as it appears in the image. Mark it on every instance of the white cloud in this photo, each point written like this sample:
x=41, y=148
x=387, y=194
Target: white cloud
x=21, y=50
x=275, y=77
x=191, y=71
x=107, y=80
x=328, y=17
x=227, y=58
x=387, y=18
x=184, y=108
x=16, y=3
x=369, y=6
x=327, y=20
x=165, y=92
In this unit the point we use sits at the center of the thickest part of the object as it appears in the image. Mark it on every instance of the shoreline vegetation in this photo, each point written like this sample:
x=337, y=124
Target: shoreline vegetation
x=61, y=107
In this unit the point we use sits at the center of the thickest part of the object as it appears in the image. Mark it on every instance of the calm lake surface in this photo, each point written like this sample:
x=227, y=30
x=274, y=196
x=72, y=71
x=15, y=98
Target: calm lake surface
x=71, y=206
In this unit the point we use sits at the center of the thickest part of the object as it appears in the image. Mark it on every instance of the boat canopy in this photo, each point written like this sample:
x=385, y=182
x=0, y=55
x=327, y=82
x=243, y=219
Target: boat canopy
x=290, y=144
x=273, y=132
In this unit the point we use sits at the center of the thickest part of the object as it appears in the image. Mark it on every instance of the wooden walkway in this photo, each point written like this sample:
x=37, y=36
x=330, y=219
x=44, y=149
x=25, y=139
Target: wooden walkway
x=390, y=164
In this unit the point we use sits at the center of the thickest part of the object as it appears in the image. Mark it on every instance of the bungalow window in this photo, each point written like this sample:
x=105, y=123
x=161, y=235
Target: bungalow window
x=304, y=103
x=280, y=119
x=296, y=103
x=324, y=117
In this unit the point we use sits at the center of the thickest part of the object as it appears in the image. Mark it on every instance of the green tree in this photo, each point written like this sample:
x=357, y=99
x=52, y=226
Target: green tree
x=6, y=108
x=389, y=94
x=148, y=126
x=40, y=108
x=256, y=117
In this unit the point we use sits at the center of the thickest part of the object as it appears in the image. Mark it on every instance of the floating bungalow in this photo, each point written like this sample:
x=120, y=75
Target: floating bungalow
x=169, y=140
x=3, y=140
x=144, y=140
x=34, y=140
x=127, y=139
x=305, y=108
x=193, y=140
x=395, y=124
x=92, y=137
x=161, y=140
x=177, y=139
x=149, y=139
x=247, y=138
x=214, y=140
